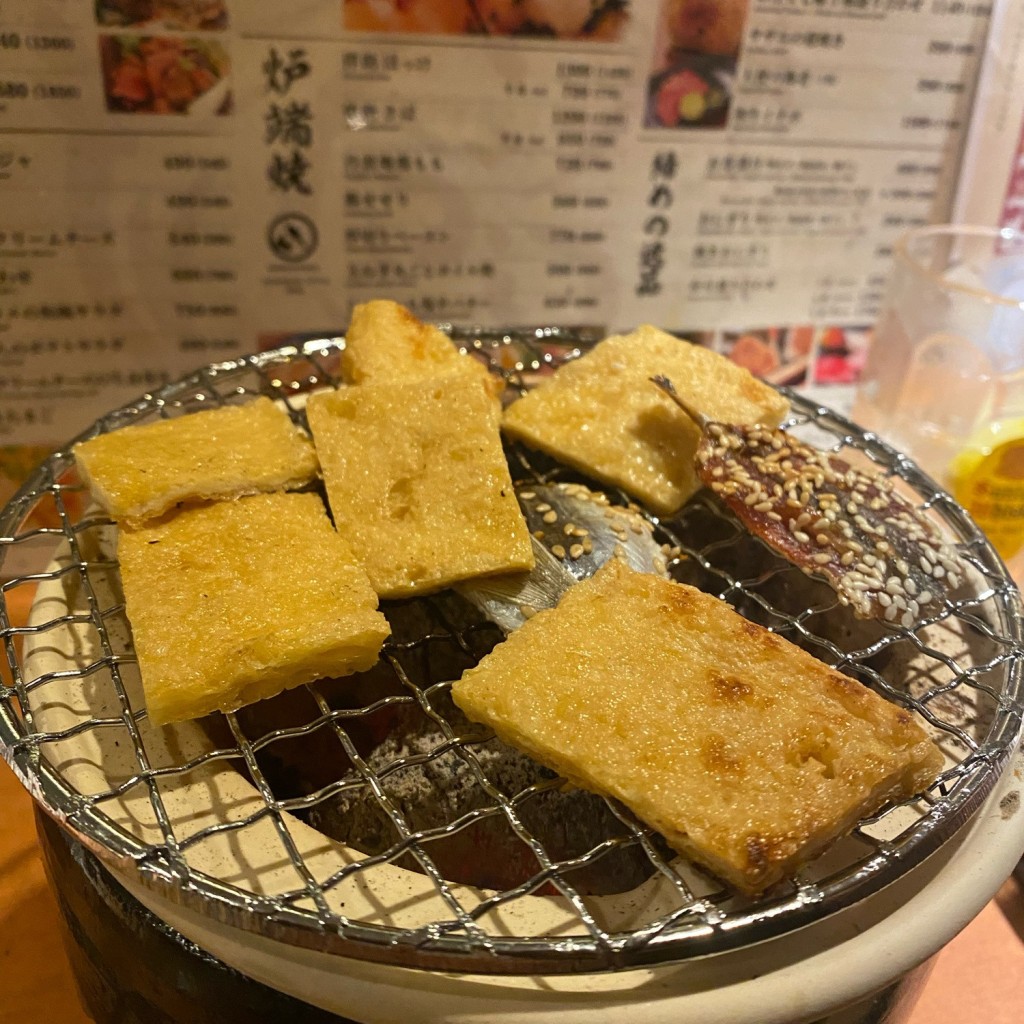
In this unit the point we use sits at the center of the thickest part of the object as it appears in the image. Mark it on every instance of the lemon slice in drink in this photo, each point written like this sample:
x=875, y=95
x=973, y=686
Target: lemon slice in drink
x=987, y=478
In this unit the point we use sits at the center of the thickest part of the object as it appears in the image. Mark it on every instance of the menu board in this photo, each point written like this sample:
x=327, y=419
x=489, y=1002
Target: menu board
x=186, y=181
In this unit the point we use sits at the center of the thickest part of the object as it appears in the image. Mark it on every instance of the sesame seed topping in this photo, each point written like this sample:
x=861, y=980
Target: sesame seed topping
x=823, y=514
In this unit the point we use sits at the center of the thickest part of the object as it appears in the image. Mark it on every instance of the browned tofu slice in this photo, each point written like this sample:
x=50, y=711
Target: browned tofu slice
x=385, y=342
x=418, y=483
x=139, y=472
x=745, y=752
x=602, y=415
x=235, y=601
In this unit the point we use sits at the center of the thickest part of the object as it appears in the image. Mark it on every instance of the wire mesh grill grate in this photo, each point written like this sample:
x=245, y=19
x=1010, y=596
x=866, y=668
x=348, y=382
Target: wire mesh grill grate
x=465, y=860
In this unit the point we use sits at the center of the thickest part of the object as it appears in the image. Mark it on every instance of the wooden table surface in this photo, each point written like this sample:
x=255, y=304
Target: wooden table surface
x=979, y=976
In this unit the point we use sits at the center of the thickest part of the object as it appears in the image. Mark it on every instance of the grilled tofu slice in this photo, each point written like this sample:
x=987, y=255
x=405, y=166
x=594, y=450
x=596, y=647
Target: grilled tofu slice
x=236, y=601
x=385, y=342
x=602, y=415
x=418, y=483
x=744, y=751
x=139, y=472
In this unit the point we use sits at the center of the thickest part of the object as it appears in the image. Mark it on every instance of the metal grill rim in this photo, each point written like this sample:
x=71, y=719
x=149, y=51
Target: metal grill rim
x=700, y=925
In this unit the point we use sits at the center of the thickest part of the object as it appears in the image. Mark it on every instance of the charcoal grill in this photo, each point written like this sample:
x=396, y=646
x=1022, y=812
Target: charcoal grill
x=216, y=819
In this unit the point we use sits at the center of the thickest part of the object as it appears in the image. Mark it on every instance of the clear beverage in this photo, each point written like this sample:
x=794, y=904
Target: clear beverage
x=944, y=378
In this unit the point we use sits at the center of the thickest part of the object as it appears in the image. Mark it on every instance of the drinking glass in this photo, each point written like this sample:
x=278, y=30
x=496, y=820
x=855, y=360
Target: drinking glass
x=944, y=377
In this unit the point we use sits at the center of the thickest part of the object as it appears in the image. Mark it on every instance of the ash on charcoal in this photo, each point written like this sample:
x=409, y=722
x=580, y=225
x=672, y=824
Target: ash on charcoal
x=432, y=793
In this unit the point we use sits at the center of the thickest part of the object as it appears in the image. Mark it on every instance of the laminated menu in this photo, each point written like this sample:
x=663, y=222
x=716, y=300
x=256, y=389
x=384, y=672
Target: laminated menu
x=187, y=181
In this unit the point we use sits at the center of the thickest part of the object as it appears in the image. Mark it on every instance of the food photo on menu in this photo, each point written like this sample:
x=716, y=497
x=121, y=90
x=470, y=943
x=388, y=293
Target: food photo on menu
x=692, y=77
x=183, y=75
x=174, y=15
x=582, y=20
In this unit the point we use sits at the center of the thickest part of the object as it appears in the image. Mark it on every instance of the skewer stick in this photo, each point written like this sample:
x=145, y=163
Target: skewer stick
x=669, y=388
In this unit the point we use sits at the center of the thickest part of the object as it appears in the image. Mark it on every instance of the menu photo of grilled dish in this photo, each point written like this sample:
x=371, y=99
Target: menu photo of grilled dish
x=165, y=74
